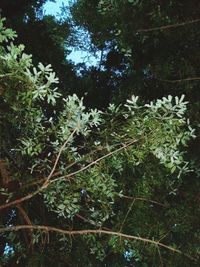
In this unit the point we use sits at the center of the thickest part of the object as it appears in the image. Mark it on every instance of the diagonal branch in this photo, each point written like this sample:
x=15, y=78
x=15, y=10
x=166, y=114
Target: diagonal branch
x=44, y=185
x=144, y=199
x=129, y=210
x=94, y=162
x=68, y=176
x=58, y=157
x=26, y=220
x=90, y=222
x=170, y=26
x=87, y=232
x=179, y=80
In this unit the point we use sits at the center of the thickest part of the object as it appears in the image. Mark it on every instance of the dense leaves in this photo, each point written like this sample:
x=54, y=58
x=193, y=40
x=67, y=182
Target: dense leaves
x=127, y=168
x=140, y=34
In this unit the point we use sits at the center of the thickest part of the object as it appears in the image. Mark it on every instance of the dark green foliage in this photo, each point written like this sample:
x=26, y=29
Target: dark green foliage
x=154, y=58
x=148, y=189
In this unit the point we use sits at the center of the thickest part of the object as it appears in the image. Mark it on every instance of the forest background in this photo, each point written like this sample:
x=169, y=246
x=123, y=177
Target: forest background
x=89, y=178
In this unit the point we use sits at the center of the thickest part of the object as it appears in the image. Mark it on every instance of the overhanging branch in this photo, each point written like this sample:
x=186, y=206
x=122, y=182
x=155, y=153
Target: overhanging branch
x=94, y=232
x=170, y=26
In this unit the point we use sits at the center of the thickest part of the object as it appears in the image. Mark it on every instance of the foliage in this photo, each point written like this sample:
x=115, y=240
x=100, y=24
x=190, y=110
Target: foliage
x=149, y=47
x=47, y=38
x=80, y=166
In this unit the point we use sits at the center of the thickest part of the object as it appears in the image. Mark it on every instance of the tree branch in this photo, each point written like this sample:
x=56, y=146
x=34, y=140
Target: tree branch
x=45, y=185
x=94, y=162
x=90, y=222
x=170, y=26
x=143, y=199
x=179, y=80
x=58, y=157
x=4, y=175
x=87, y=232
x=27, y=221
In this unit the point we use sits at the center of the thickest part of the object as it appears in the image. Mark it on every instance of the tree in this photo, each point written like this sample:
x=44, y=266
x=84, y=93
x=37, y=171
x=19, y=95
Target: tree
x=47, y=38
x=67, y=174
x=158, y=42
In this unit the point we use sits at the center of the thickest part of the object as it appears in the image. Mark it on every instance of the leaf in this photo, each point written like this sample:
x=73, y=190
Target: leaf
x=61, y=206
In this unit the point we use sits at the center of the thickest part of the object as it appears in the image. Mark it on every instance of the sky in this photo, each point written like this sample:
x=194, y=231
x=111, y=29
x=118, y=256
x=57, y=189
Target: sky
x=77, y=56
x=54, y=8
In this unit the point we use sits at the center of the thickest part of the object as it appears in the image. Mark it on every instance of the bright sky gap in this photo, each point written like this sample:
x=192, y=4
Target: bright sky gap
x=77, y=56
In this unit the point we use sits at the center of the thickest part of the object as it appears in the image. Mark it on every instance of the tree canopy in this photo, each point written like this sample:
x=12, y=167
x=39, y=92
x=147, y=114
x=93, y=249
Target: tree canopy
x=112, y=178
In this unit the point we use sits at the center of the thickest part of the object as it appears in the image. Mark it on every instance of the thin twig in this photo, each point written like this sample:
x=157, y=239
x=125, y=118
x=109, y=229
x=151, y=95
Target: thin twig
x=93, y=162
x=129, y=210
x=58, y=157
x=90, y=222
x=161, y=261
x=180, y=80
x=45, y=185
x=89, y=231
x=170, y=26
x=42, y=179
x=143, y=199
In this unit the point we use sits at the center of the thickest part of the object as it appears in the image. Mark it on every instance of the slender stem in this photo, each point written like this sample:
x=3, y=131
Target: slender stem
x=170, y=26
x=89, y=231
x=143, y=199
x=94, y=162
x=58, y=157
x=45, y=185
x=180, y=80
